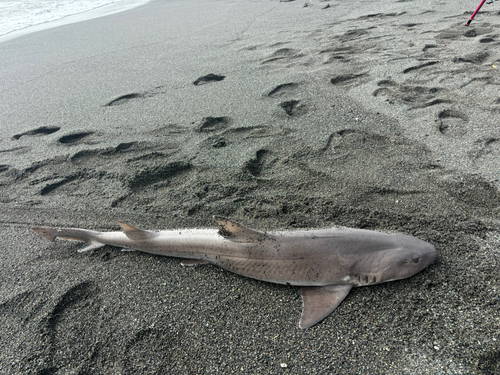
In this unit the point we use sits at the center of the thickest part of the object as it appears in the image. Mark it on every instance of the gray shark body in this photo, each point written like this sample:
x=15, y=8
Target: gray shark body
x=326, y=263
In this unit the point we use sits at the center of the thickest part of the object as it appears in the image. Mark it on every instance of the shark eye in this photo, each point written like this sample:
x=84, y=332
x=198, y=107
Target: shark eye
x=415, y=260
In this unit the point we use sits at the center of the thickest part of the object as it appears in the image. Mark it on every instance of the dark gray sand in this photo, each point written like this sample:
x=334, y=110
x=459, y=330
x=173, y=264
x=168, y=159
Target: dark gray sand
x=377, y=115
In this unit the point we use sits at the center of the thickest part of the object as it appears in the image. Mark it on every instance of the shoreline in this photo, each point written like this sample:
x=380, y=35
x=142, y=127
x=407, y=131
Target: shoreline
x=102, y=11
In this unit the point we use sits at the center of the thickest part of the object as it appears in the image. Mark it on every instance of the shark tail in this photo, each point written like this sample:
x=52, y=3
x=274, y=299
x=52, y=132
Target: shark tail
x=70, y=234
x=48, y=233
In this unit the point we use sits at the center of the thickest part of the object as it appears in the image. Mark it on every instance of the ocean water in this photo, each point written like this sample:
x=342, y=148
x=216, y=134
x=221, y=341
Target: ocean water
x=18, y=15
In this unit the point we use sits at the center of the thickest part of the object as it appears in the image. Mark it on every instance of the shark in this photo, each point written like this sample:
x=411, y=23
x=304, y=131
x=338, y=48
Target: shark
x=325, y=263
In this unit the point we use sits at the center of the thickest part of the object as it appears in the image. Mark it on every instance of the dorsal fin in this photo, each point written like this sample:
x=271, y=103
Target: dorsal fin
x=236, y=232
x=136, y=234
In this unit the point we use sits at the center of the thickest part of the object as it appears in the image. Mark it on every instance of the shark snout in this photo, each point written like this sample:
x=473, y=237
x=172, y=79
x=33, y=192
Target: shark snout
x=416, y=255
x=422, y=254
x=428, y=254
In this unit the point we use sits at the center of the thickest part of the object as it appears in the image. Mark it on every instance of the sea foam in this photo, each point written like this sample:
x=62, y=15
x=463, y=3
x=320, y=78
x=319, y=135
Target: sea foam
x=19, y=15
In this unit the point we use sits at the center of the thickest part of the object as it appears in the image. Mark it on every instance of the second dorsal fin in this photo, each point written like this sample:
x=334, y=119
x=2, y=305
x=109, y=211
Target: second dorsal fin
x=236, y=232
x=136, y=234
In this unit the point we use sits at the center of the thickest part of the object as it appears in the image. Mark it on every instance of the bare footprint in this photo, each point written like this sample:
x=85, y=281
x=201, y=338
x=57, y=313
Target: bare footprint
x=139, y=358
x=208, y=78
x=471, y=189
x=72, y=326
x=346, y=79
x=414, y=96
x=74, y=138
x=61, y=182
x=209, y=124
x=255, y=165
x=452, y=123
x=158, y=174
x=486, y=40
x=43, y=130
x=484, y=147
x=123, y=99
x=473, y=58
x=418, y=67
x=294, y=107
x=282, y=89
x=283, y=54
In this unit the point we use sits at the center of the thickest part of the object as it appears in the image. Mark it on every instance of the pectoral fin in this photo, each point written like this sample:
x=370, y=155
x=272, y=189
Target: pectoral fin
x=236, y=232
x=136, y=234
x=91, y=246
x=319, y=301
x=193, y=262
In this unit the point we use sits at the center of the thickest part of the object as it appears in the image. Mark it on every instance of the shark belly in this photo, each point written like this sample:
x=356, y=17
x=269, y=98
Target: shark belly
x=281, y=271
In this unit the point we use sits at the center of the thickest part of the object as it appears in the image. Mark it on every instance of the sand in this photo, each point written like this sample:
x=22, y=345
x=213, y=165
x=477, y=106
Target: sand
x=375, y=115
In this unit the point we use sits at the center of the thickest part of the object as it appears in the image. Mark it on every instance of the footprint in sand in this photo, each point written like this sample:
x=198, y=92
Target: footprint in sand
x=341, y=52
x=347, y=79
x=294, y=108
x=414, y=96
x=210, y=124
x=60, y=182
x=282, y=89
x=283, y=54
x=219, y=142
x=429, y=47
x=239, y=134
x=471, y=189
x=168, y=350
x=44, y=130
x=255, y=165
x=17, y=311
x=452, y=123
x=420, y=66
x=473, y=58
x=454, y=32
x=486, y=40
x=74, y=138
x=20, y=319
x=84, y=156
x=208, y=78
x=72, y=327
x=161, y=173
x=486, y=147
x=123, y=99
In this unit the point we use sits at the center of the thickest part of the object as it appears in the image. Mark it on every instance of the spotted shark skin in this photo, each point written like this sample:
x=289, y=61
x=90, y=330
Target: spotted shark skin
x=326, y=263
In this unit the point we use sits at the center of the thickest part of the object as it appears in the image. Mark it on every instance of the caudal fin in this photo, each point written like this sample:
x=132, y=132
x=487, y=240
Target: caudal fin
x=75, y=234
x=48, y=233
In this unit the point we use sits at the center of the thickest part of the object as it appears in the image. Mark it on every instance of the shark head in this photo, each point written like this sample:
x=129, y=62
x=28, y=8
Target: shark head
x=411, y=256
x=382, y=258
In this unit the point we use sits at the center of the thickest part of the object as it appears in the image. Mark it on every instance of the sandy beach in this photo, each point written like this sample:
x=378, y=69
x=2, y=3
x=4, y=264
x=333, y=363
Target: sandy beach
x=279, y=115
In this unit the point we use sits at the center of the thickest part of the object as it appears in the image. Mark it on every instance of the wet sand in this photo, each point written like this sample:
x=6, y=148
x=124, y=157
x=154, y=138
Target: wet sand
x=276, y=114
